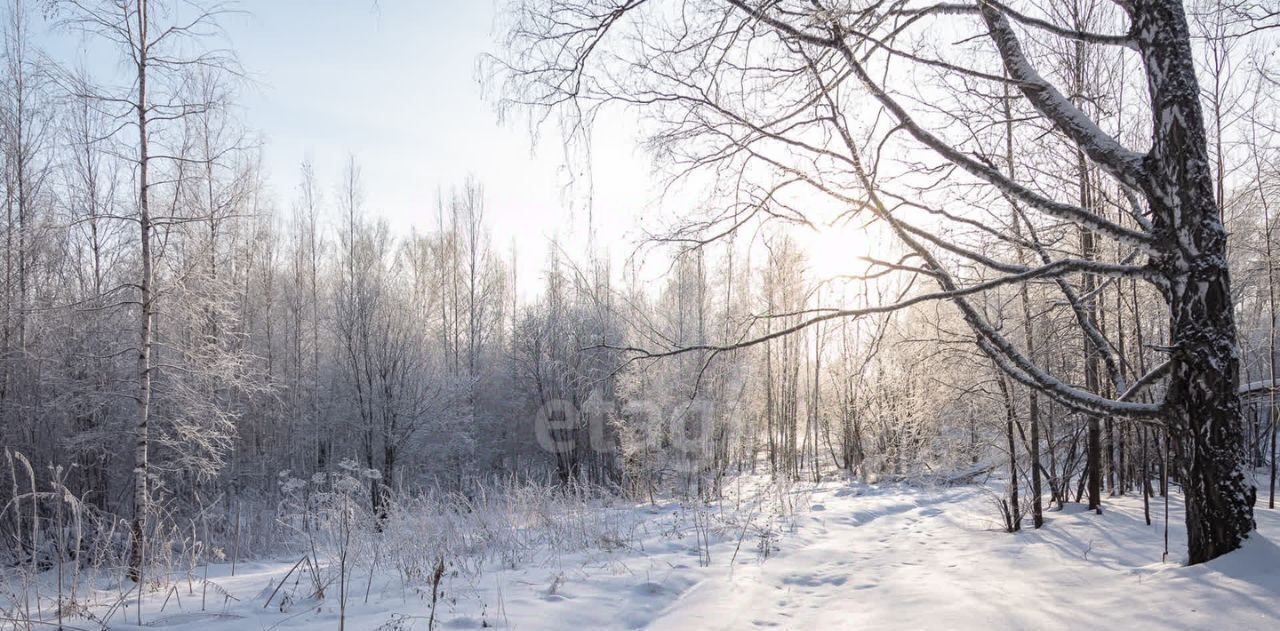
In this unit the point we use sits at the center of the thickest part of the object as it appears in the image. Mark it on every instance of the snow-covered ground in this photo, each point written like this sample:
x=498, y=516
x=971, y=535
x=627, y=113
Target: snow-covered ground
x=905, y=559
x=851, y=556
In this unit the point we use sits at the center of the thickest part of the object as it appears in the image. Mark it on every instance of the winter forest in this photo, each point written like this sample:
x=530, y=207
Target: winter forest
x=930, y=315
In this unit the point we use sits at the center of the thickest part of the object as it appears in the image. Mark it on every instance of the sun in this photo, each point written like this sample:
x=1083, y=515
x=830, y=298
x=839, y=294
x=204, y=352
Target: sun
x=834, y=251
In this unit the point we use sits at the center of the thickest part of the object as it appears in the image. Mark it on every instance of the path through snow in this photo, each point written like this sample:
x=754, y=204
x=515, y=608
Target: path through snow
x=907, y=559
x=859, y=557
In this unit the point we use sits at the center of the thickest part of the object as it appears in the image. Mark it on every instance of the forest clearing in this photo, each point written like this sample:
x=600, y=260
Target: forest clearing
x=639, y=314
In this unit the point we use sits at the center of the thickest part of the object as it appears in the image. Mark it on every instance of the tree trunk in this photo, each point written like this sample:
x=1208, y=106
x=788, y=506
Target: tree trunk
x=142, y=438
x=1033, y=397
x=1014, y=508
x=1203, y=406
x=1271, y=348
x=1093, y=449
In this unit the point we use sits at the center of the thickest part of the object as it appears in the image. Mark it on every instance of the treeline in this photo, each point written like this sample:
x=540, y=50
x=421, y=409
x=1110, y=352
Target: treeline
x=177, y=339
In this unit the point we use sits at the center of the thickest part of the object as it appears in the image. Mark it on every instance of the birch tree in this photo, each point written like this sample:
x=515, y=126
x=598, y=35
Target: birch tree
x=152, y=38
x=821, y=102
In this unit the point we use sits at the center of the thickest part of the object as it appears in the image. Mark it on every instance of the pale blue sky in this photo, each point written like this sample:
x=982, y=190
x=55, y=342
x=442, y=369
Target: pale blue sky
x=394, y=83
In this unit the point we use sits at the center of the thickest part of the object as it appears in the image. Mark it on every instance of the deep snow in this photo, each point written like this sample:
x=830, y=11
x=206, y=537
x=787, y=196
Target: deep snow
x=853, y=556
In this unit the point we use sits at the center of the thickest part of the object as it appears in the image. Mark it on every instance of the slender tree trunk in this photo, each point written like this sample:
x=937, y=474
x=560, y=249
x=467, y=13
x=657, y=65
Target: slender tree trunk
x=140, y=463
x=1088, y=250
x=1015, y=514
x=1271, y=336
x=1093, y=449
x=1033, y=397
x=1146, y=479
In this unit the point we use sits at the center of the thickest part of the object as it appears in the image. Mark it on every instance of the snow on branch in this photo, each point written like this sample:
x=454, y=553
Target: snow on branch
x=957, y=8
x=1122, y=163
x=1074, y=214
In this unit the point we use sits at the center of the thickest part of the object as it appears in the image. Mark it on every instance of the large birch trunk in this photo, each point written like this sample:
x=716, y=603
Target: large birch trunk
x=1203, y=406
